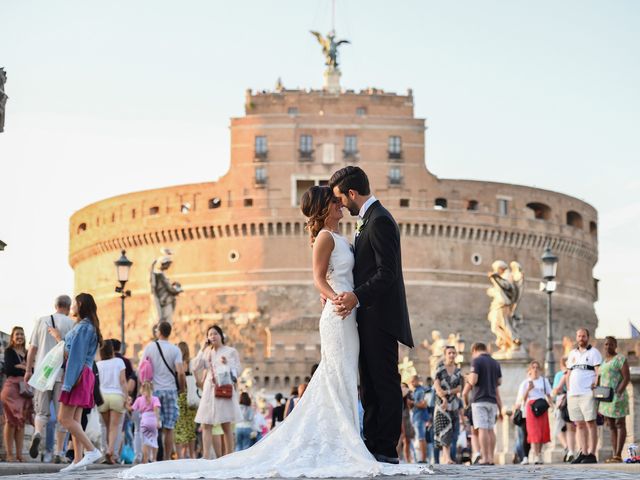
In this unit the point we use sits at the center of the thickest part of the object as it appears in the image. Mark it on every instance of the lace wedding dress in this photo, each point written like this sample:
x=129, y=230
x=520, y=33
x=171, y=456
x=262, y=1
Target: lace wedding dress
x=321, y=436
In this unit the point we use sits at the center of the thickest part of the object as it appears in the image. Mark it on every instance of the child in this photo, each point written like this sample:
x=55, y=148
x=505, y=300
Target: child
x=149, y=408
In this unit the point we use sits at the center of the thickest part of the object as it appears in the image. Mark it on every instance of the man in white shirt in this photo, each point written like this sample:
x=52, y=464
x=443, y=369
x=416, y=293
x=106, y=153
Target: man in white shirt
x=168, y=380
x=583, y=363
x=41, y=343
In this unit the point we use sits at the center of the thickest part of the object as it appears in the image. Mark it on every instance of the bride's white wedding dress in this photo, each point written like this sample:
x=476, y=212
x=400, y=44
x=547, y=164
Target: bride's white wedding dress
x=321, y=436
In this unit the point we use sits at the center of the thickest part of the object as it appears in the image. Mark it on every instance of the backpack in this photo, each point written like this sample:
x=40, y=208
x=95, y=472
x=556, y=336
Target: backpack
x=145, y=370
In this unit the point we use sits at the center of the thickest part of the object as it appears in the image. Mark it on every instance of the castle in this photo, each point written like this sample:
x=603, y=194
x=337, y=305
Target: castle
x=244, y=259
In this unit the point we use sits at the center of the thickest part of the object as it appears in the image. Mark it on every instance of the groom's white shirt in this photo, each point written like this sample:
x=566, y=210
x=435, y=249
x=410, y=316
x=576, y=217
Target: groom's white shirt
x=365, y=206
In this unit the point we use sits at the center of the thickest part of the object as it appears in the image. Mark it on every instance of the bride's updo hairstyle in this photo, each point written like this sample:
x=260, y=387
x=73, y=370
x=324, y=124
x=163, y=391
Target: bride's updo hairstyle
x=315, y=206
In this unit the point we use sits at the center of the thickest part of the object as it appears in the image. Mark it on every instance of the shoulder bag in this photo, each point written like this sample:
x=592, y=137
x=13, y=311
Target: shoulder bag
x=175, y=375
x=541, y=405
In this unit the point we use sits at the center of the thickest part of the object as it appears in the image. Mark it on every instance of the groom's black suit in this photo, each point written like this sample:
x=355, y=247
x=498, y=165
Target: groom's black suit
x=383, y=321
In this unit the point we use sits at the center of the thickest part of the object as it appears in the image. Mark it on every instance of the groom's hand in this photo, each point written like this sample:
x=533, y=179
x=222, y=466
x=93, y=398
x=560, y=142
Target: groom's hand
x=345, y=302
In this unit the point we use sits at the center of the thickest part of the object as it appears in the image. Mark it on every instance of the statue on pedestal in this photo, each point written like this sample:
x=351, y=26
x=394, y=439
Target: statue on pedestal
x=330, y=48
x=506, y=292
x=164, y=291
x=3, y=97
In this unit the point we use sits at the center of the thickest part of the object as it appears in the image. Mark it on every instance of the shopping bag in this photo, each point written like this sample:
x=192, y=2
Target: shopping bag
x=46, y=372
x=193, y=394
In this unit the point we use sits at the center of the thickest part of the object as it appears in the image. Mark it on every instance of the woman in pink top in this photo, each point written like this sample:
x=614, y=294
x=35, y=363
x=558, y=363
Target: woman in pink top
x=149, y=408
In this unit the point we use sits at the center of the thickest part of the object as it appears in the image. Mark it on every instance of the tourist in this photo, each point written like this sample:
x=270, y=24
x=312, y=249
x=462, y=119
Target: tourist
x=277, y=415
x=407, y=432
x=16, y=395
x=563, y=429
x=419, y=416
x=533, y=391
x=126, y=424
x=583, y=363
x=40, y=344
x=484, y=378
x=614, y=373
x=291, y=401
x=113, y=386
x=185, y=426
x=81, y=344
x=148, y=407
x=448, y=385
x=217, y=406
x=168, y=380
x=245, y=432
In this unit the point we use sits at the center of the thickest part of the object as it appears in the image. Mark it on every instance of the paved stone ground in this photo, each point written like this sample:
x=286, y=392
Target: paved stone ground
x=459, y=472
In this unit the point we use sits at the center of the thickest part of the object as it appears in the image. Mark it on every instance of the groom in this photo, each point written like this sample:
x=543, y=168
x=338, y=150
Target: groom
x=382, y=314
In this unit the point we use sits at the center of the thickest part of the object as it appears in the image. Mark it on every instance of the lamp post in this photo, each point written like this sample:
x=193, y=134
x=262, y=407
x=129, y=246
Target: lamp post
x=123, y=265
x=549, y=266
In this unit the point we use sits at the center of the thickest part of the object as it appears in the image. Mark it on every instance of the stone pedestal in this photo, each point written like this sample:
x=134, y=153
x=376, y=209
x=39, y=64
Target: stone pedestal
x=514, y=371
x=332, y=80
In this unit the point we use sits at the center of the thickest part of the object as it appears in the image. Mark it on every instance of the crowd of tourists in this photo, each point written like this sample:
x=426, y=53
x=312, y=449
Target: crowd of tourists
x=174, y=405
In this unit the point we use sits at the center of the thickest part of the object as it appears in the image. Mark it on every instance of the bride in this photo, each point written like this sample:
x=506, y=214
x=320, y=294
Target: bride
x=321, y=436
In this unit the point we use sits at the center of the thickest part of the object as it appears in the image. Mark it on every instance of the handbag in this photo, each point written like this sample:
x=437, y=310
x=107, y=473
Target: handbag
x=564, y=409
x=603, y=394
x=540, y=405
x=25, y=390
x=518, y=419
x=223, y=391
x=97, y=394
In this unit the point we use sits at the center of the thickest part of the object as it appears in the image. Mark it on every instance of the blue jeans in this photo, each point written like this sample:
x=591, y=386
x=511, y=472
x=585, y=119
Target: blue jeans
x=243, y=438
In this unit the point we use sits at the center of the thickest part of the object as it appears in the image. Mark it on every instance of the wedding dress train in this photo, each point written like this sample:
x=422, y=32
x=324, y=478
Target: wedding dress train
x=321, y=436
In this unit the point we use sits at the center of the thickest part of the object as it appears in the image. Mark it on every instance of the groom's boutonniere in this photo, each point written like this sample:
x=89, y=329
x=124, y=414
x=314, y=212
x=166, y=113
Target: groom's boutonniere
x=359, y=226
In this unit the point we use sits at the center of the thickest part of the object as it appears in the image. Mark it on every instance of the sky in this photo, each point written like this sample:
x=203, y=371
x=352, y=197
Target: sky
x=112, y=97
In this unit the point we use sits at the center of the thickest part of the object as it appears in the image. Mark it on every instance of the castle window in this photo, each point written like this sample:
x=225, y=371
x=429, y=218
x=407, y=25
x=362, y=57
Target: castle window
x=292, y=110
x=395, y=147
x=82, y=228
x=261, y=176
x=154, y=210
x=503, y=207
x=593, y=228
x=404, y=202
x=472, y=205
x=234, y=256
x=574, y=219
x=440, y=204
x=361, y=111
x=395, y=176
x=133, y=213
x=260, y=153
x=350, y=146
x=540, y=210
x=248, y=202
x=185, y=208
x=113, y=218
x=306, y=148
x=215, y=202
x=476, y=259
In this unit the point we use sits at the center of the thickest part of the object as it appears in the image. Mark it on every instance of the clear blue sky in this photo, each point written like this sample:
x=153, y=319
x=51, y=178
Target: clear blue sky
x=112, y=97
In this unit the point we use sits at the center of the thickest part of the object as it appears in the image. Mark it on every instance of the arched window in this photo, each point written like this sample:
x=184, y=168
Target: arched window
x=440, y=204
x=593, y=228
x=540, y=210
x=215, y=202
x=82, y=227
x=154, y=210
x=574, y=219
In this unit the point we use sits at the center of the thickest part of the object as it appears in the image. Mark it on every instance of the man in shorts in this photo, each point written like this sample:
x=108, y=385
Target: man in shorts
x=485, y=378
x=583, y=364
x=41, y=343
x=168, y=380
x=420, y=416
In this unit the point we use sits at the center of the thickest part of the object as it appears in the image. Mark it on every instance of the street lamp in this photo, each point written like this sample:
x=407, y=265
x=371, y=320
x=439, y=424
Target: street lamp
x=123, y=265
x=549, y=266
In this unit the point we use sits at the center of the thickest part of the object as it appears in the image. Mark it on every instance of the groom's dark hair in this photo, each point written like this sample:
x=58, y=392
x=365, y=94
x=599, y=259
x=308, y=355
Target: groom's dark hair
x=350, y=178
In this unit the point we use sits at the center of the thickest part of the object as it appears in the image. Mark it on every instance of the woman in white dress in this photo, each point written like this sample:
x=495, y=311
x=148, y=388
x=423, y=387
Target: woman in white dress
x=221, y=364
x=321, y=436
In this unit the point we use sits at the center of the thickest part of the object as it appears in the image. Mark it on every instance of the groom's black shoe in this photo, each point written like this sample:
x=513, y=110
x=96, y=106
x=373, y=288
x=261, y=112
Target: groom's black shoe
x=384, y=459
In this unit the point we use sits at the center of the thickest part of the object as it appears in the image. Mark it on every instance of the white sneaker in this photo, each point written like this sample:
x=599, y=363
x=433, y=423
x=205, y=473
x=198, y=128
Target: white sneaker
x=525, y=461
x=538, y=460
x=90, y=457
